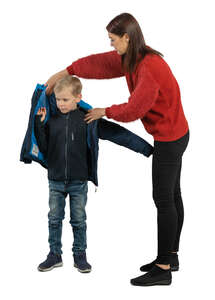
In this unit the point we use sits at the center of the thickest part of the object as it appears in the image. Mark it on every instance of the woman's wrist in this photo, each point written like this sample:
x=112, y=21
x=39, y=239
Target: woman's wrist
x=103, y=112
x=62, y=73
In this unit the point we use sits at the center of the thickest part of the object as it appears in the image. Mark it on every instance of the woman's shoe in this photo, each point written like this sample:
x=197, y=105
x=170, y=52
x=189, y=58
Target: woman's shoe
x=174, y=264
x=156, y=276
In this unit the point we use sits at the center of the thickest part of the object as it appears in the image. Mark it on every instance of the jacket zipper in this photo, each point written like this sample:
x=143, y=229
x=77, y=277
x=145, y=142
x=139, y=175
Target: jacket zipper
x=66, y=145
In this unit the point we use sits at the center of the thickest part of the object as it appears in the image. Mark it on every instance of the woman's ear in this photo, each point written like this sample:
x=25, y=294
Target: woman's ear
x=126, y=37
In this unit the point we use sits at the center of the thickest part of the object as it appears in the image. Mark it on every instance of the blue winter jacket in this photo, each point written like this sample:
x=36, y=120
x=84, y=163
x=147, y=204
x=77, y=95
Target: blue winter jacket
x=97, y=129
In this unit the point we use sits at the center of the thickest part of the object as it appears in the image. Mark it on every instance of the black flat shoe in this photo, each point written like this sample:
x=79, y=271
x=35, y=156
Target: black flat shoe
x=156, y=276
x=174, y=264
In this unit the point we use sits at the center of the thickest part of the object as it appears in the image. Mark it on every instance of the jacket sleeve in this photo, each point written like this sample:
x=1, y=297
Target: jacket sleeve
x=41, y=134
x=139, y=103
x=119, y=135
x=97, y=66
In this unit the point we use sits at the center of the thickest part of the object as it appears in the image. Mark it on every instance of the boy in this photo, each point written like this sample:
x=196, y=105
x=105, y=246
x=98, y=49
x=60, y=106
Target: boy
x=70, y=147
x=63, y=141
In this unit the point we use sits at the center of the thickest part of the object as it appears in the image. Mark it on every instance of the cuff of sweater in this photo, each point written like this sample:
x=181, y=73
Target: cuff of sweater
x=70, y=70
x=107, y=113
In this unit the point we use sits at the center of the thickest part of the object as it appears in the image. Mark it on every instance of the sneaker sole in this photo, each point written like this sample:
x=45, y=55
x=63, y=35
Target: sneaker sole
x=52, y=267
x=82, y=271
x=162, y=282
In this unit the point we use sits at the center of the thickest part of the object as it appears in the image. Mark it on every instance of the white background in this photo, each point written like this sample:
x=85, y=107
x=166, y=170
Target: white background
x=39, y=38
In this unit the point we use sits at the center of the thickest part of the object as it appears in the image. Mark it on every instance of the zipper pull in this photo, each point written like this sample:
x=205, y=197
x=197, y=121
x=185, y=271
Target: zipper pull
x=72, y=136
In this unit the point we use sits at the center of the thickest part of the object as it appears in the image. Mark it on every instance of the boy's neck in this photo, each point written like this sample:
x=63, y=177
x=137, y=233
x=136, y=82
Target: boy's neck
x=68, y=111
x=73, y=109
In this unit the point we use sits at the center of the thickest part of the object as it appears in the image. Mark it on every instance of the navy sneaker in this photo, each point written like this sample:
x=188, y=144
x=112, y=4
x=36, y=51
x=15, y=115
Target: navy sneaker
x=80, y=262
x=52, y=261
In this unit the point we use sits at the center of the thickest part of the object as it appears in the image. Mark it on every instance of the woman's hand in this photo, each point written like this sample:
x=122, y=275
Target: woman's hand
x=94, y=114
x=53, y=79
x=42, y=112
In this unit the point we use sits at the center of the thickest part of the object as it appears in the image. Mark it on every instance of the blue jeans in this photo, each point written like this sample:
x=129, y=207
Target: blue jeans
x=58, y=191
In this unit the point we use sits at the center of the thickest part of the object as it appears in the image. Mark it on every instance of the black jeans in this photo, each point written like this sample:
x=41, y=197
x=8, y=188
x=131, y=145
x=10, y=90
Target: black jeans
x=166, y=171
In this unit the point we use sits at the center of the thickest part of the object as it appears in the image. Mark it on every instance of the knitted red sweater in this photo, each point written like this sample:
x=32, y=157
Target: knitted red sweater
x=155, y=95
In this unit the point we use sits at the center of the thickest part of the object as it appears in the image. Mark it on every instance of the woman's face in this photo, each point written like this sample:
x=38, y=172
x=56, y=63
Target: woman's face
x=119, y=43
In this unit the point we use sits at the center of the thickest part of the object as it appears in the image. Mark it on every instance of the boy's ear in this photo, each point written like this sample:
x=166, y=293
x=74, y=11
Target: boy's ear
x=78, y=98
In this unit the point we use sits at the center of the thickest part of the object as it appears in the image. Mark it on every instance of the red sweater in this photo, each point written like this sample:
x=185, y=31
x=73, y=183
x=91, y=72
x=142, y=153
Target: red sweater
x=154, y=93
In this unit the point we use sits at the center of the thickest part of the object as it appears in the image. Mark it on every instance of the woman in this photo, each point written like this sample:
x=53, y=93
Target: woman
x=155, y=99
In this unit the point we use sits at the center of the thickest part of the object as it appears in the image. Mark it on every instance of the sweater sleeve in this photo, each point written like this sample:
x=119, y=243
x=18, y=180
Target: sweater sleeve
x=97, y=66
x=139, y=103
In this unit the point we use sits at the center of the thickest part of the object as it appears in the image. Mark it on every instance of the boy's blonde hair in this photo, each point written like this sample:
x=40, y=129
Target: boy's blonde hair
x=69, y=82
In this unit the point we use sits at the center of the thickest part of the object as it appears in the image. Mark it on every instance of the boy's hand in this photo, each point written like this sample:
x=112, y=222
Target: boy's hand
x=42, y=112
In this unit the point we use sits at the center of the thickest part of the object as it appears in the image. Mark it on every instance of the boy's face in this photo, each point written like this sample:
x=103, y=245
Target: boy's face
x=66, y=101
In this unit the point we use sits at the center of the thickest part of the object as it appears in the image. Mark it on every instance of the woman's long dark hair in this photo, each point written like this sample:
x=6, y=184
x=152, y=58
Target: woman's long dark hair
x=137, y=49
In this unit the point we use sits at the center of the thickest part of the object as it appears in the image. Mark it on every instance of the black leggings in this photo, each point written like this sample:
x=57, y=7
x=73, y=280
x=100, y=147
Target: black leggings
x=166, y=171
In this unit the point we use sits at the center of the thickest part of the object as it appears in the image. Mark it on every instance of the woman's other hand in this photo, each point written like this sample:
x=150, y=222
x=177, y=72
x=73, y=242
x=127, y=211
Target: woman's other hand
x=53, y=79
x=94, y=114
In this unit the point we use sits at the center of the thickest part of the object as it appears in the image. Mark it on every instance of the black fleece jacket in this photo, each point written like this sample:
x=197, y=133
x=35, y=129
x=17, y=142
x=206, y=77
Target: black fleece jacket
x=63, y=141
